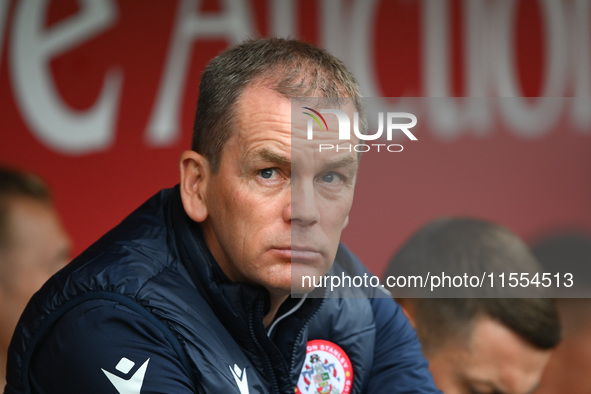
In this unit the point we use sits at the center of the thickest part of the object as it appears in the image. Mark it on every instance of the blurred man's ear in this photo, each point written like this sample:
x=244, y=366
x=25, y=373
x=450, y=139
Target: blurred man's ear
x=407, y=309
x=195, y=173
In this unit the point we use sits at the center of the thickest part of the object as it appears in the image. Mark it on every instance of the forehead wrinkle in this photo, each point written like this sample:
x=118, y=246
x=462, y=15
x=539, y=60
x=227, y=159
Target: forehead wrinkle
x=270, y=156
x=348, y=161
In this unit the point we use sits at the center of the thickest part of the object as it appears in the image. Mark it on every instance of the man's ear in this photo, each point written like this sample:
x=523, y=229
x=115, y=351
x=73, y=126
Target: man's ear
x=407, y=309
x=195, y=174
x=346, y=222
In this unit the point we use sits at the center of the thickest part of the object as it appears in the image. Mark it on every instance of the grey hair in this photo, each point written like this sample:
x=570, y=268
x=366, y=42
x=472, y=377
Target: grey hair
x=290, y=67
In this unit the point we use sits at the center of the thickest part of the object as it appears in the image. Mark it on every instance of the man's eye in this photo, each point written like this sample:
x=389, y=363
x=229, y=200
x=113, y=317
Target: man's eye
x=331, y=177
x=328, y=178
x=267, y=173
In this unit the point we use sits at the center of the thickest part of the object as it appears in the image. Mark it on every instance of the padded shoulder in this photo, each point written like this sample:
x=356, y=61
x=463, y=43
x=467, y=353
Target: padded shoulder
x=103, y=346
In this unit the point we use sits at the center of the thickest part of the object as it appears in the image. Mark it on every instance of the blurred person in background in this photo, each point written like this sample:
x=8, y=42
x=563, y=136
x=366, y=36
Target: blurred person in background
x=477, y=345
x=569, y=366
x=33, y=246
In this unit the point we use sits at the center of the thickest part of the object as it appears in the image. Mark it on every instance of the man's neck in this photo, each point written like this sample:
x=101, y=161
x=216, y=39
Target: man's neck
x=276, y=302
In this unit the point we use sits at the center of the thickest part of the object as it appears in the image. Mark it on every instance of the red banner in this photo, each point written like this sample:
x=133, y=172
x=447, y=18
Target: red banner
x=98, y=98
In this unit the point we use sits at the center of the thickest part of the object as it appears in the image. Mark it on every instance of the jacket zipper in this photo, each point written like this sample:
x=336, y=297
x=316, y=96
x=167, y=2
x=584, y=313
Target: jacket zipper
x=268, y=364
x=299, y=336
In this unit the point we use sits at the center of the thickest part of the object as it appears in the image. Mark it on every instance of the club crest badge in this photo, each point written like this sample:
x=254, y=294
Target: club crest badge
x=327, y=370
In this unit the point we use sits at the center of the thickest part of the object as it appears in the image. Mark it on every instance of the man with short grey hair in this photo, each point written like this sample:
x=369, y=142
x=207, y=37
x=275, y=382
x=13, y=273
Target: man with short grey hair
x=193, y=292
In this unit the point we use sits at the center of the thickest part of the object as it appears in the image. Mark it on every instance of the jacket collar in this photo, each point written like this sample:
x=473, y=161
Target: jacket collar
x=236, y=304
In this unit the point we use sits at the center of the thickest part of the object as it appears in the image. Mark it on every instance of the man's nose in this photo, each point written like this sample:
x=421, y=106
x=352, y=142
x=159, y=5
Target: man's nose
x=304, y=207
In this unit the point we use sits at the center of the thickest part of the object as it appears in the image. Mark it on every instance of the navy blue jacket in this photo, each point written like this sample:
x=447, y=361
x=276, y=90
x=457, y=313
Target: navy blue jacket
x=146, y=309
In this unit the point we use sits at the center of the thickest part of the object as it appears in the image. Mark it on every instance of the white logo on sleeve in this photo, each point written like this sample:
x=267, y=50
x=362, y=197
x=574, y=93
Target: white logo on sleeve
x=132, y=385
x=240, y=377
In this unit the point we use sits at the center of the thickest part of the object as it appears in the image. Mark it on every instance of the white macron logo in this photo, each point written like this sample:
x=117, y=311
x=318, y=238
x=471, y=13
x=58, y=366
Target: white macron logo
x=240, y=377
x=132, y=385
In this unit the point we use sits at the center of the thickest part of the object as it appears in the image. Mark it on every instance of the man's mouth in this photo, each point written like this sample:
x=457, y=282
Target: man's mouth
x=299, y=253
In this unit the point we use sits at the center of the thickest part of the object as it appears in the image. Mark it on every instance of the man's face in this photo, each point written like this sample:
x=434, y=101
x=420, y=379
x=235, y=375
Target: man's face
x=492, y=360
x=37, y=248
x=275, y=209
